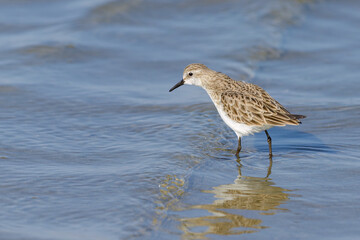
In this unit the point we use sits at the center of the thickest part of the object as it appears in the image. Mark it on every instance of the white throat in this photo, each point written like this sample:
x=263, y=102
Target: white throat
x=193, y=81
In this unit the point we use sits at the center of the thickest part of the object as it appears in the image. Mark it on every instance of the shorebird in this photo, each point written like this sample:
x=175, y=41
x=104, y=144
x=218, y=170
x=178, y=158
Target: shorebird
x=245, y=107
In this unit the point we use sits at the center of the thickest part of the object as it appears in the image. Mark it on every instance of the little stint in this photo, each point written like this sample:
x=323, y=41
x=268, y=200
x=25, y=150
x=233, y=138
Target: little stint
x=246, y=108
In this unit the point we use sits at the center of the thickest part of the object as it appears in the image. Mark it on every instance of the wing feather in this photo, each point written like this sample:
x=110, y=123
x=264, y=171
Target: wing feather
x=255, y=107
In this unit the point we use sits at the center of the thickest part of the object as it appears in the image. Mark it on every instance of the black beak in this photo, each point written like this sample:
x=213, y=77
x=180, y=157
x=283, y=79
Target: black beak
x=177, y=85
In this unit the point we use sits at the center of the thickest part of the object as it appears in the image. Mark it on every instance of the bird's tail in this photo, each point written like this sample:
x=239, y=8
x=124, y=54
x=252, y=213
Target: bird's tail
x=297, y=117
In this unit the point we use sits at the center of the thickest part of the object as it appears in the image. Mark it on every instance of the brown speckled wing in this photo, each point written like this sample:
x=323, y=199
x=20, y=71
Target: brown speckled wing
x=258, y=109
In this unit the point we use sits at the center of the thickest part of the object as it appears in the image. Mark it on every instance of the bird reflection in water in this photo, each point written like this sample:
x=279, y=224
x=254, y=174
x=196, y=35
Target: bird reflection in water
x=246, y=193
x=238, y=209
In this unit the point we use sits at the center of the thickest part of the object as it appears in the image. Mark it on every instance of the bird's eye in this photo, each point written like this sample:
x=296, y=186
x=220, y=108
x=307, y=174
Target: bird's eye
x=190, y=74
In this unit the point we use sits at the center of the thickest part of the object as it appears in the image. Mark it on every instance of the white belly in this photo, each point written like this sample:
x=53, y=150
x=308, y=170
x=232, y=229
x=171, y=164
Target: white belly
x=239, y=128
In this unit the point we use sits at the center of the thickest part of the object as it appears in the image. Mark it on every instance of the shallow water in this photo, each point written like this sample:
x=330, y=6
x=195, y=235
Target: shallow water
x=93, y=146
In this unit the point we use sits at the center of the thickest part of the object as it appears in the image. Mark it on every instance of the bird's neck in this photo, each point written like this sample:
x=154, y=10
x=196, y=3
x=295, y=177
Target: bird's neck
x=218, y=83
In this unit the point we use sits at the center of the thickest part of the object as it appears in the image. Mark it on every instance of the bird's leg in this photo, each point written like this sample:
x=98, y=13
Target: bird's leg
x=239, y=148
x=269, y=168
x=239, y=168
x=269, y=142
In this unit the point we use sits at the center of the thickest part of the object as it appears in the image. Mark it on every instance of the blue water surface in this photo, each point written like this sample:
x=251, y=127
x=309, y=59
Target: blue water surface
x=93, y=146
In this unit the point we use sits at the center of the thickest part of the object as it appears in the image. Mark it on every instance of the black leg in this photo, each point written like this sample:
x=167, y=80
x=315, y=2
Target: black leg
x=269, y=168
x=239, y=147
x=269, y=142
x=239, y=167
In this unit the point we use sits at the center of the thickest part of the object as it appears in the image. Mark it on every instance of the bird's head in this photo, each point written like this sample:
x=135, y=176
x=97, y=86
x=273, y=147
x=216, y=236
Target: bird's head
x=194, y=74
